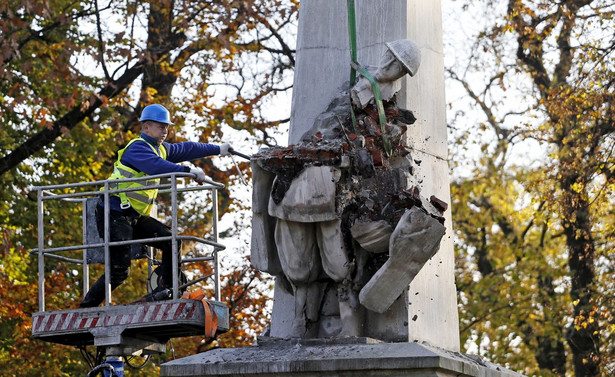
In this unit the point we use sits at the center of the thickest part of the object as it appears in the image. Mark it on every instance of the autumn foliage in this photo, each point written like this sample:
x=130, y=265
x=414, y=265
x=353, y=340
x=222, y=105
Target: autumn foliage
x=74, y=77
x=533, y=213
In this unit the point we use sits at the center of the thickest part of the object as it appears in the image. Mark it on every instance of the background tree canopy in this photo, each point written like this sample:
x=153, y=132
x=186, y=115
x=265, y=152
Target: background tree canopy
x=74, y=76
x=533, y=202
x=532, y=138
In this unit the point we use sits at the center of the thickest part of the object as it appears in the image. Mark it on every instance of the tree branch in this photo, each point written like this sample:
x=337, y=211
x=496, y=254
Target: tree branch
x=71, y=119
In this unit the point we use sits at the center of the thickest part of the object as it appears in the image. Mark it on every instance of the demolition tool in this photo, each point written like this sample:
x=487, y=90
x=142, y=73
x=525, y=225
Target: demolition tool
x=234, y=152
x=240, y=154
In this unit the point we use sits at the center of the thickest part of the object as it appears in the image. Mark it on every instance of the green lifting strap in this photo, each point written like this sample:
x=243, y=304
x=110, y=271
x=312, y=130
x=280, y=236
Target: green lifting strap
x=352, y=33
x=352, y=36
x=378, y=99
x=354, y=64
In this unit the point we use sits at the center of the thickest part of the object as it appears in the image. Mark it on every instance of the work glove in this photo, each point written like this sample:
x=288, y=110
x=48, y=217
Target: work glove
x=199, y=175
x=225, y=149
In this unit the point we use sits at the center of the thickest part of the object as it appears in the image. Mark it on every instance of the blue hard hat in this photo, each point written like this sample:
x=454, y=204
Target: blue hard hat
x=157, y=113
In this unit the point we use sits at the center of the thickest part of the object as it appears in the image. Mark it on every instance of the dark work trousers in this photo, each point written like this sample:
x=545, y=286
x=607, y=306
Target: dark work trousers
x=123, y=228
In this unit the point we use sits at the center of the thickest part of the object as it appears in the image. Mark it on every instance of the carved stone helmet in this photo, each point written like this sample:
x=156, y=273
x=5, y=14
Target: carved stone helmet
x=407, y=52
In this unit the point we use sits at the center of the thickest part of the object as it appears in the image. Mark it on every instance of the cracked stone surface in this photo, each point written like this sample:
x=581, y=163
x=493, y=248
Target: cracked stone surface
x=336, y=357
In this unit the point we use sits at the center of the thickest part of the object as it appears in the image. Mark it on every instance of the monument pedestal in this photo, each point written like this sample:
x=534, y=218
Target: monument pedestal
x=331, y=358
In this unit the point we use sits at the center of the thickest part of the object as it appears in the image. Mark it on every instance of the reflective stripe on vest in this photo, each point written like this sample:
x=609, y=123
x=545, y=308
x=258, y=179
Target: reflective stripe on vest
x=141, y=201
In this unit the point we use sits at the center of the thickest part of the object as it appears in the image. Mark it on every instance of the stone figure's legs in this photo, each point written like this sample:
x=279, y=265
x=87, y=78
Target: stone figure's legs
x=300, y=260
x=298, y=251
x=306, y=250
x=337, y=266
x=352, y=313
x=332, y=251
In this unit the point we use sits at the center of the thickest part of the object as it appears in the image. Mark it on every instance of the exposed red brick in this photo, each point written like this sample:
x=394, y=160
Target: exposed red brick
x=415, y=193
x=371, y=127
x=369, y=143
x=391, y=112
x=377, y=157
x=439, y=204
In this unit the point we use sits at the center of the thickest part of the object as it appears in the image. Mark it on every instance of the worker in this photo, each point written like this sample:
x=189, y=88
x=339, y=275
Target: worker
x=129, y=218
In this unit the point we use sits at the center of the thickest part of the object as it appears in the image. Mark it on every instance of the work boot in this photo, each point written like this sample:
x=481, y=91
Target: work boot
x=163, y=291
x=95, y=296
x=164, y=280
x=158, y=294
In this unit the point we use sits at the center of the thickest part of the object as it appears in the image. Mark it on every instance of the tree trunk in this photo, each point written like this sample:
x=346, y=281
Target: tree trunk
x=583, y=334
x=551, y=351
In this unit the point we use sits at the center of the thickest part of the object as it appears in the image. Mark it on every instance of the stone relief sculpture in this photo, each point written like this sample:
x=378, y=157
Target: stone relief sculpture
x=401, y=57
x=338, y=218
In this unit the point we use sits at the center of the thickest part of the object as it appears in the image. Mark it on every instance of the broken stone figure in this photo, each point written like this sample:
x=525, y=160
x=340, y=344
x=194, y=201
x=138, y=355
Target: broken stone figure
x=401, y=57
x=337, y=218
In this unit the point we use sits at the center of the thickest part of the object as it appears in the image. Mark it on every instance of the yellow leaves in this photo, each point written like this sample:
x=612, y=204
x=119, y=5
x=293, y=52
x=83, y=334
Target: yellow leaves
x=508, y=28
x=571, y=127
x=577, y=187
x=14, y=266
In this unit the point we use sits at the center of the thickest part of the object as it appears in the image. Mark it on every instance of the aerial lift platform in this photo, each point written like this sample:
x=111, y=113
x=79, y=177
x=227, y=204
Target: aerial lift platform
x=140, y=327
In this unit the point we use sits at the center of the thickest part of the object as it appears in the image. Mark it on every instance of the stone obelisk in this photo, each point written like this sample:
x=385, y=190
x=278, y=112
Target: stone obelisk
x=420, y=334
x=429, y=312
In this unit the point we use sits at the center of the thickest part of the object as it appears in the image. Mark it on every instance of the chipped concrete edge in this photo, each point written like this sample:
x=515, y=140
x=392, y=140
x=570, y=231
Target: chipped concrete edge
x=348, y=357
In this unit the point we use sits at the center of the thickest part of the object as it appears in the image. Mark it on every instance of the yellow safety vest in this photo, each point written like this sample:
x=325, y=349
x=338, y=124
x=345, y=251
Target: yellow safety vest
x=141, y=201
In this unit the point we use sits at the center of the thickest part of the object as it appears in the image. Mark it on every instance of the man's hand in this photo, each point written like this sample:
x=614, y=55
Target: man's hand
x=199, y=175
x=225, y=149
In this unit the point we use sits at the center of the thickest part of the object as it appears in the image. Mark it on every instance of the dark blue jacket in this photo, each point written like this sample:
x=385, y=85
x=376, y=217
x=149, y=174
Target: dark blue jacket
x=140, y=156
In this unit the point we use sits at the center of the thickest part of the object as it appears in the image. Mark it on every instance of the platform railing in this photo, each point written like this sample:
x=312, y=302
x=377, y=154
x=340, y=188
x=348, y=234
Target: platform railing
x=46, y=193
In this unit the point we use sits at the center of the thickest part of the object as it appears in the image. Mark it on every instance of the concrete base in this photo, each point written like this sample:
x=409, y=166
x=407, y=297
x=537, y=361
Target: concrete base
x=333, y=357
